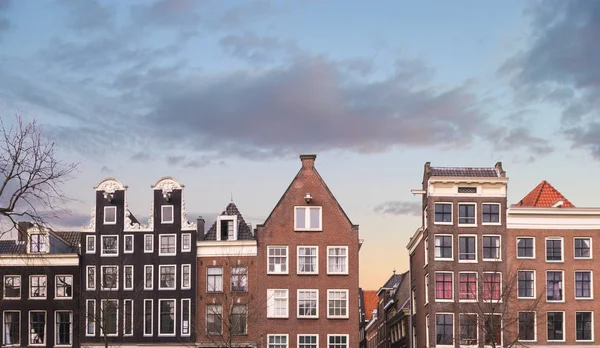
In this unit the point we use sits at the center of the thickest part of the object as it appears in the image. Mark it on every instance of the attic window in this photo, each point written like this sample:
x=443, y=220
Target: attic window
x=307, y=218
x=467, y=190
x=110, y=215
x=227, y=228
x=167, y=214
x=38, y=243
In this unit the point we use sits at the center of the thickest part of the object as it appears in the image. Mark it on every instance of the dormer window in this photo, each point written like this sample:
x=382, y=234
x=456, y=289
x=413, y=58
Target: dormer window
x=167, y=214
x=38, y=243
x=110, y=215
x=227, y=227
x=307, y=218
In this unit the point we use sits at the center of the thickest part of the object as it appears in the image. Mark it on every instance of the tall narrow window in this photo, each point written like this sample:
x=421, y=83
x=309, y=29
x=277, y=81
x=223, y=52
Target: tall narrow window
x=64, y=286
x=90, y=317
x=583, y=284
x=186, y=242
x=37, y=328
x=277, y=303
x=583, y=326
x=307, y=260
x=526, y=326
x=167, y=214
x=128, y=274
x=467, y=248
x=238, y=319
x=227, y=227
x=167, y=277
x=148, y=317
x=554, y=285
x=12, y=328
x=493, y=330
x=337, y=260
x=12, y=287
x=110, y=215
x=239, y=279
x=278, y=260
x=185, y=276
x=128, y=244
x=491, y=248
x=109, y=317
x=307, y=218
x=128, y=318
x=492, y=285
x=148, y=243
x=214, y=315
x=443, y=286
x=185, y=317
x=468, y=329
x=556, y=326
x=468, y=286
x=37, y=285
x=148, y=277
x=214, y=279
x=526, y=284
x=444, y=329
x=90, y=242
x=64, y=328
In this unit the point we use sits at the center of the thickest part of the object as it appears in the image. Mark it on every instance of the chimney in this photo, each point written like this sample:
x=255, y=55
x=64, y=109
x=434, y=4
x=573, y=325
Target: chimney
x=308, y=161
x=500, y=170
x=22, y=228
x=200, y=228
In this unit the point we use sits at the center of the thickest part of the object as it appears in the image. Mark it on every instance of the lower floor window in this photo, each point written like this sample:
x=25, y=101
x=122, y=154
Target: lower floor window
x=148, y=317
x=109, y=313
x=308, y=341
x=37, y=327
x=64, y=328
x=555, y=322
x=444, y=329
x=185, y=317
x=278, y=341
x=12, y=324
x=583, y=326
x=128, y=324
x=338, y=341
x=468, y=329
x=526, y=326
x=238, y=319
x=214, y=320
x=493, y=330
x=167, y=317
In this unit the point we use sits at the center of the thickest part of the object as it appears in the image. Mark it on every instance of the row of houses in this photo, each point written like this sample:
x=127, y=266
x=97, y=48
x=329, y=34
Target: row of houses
x=289, y=282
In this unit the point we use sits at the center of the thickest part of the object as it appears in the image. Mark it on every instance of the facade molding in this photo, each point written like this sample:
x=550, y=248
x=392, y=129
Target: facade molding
x=227, y=248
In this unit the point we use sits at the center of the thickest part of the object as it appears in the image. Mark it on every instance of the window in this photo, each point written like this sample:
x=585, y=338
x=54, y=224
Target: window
x=128, y=275
x=185, y=276
x=128, y=245
x=38, y=243
x=583, y=284
x=556, y=323
x=37, y=286
x=166, y=214
x=148, y=319
x=468, y=286
x=91, y=278
x=467, y=248
x=238, y=319
x=90, y=317
x=337, y=260
x=554, y=286
x=278, y=341
x=308, y=303
x=167, y=277
x=427, y=288
x=337, y=303
x=526, y=284
x=307, y=260
x=186, y=242
x=525, y=248
x=214, y=279
x=443, y=247
x=278, y=262
x=148, y=277
x=148, y=243
x=466, y=214
x=443, y=213
x=110, y=277
x=227, y=227
x=64, y=328
x=467, y=190
x=64, y=286
x=277, y=303
x=128, y=324
x=443, y=286
x=110, y=246
x=490, y=213
x=12, y=287
x=492, y=285
x=444, y=329
x=468, y=329
x=583, y=326
x=308, y=341
x=109, y=316
x=167, y=317
x=307, y=219
x=214, y=324
x=110, y=215
x=185, y=317
x=90, y=242
x=491, y=248
x=337, y=341
x=37, y=328
x=12, y=328
x=239, y=279
x=527, y=326
x=167, y=245
x=583, y=248
x=426, y=245
x=493, y=330
x=554, y=249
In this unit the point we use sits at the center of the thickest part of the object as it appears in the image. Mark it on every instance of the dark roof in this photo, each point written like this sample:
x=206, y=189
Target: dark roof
x=10, y=247
x=403, y=292
x=244, y=231
x=60, y=243
x=465, y=172
x=71, y=238
x=544, y=195
x=394, y=280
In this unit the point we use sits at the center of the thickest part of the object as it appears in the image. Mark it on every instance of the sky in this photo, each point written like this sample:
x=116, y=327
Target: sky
x=224, y=96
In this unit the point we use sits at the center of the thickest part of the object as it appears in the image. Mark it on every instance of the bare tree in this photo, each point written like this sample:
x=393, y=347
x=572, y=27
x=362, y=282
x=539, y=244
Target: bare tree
x=31, y=175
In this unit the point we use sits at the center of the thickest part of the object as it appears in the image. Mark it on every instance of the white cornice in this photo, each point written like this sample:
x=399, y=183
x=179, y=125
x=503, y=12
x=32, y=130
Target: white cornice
x=468, y=180
x=226, y=248
x=26, y=260
x=110, y=185
x=414, y=241
x=553, y=218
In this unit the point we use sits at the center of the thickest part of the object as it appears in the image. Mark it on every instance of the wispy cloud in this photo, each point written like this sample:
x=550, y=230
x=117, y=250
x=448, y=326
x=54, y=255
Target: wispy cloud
x=399, y=208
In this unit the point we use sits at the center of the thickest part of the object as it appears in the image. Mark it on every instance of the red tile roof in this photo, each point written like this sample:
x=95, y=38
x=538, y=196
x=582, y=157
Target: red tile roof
x=544, y=195
x=371, y=299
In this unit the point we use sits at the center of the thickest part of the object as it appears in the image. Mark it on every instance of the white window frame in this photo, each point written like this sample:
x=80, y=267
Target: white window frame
x=590, y=340
x=87, y=273
x=451, y=247
x=125, y=334
x=298, y=271
x=564, y=292
x=501, y=328
x=476, y=330
x=475, y=215
x=426, y=332
x=339, y=335
x=160, y=267
x=453, y=328
x=451, y=213
x=183, y=286
x=87, y=243
x=583, y=258
x=31, y=297
x=146, y=251
x=189, y=306
x=271, y=303
x=151, y=268
x=4, y=297
x=162, y=214
x=458, y=247
x=227, y=218
x=316, y=316
x=214, y=309
x=56, y=328
x=102, y=302
x=329, y=291
x=45, y=328
x=306, y=335
x=426, y=288
x=56, y=287
x=534, y=284
x=183, y=248
x=160, y=334
x=476, y=287
x=347, y=259
x=307, y=220
x=499, y=214
x=499, y=259
x=287, y=258
x=87, y=319
x=232, y=274
x=534, y=326
x=125, y=267
x=517, y=248
x=102, y=278
x=107, y=208
x=426, y=246
x=453, y=289
x=125, y=237
x=483, y=290
x=4, y=328
x=562, y=249
x=287, y=339
x=146, y=334
x=41, y=237
x=102, y=253
x=160, y=252
x=591, y=284
x=564, y=321
x=214, y=290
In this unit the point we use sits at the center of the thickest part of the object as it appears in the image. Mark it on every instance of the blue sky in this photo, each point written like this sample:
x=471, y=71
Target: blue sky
x=224, y=95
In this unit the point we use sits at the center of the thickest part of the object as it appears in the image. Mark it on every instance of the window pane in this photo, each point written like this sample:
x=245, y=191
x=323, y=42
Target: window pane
x=167, y=317
x=315, y=221
x=11, y=328
x=300, y=218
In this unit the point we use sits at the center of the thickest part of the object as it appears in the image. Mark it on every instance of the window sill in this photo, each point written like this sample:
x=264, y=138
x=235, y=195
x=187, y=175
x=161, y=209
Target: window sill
x=308, y=230
x=169, y=254
x=338, y=318
x=491, y=224
x=337, y=274
x=286, y=317
x=584, y=341
x=584, y=299
x=63, y=298
x=309, y=318
x=492, y=260
x=555, y=261
x=525, y=298
x=109, y=255
x=436, y=259
x=467, y=261
x=444, y=300
x=279, y=273
x=37, y=298
x=443, y=223
x=583, y=258
x=526, y=258
x=467, y=225
x=467, y=301
x=555, y=301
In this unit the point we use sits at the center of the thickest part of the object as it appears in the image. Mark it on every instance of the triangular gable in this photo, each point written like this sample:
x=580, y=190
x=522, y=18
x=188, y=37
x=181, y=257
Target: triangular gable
x=244, y=231
x=544, y=195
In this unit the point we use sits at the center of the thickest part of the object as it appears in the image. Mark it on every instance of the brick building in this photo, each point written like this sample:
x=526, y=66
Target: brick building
x=308, y=268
